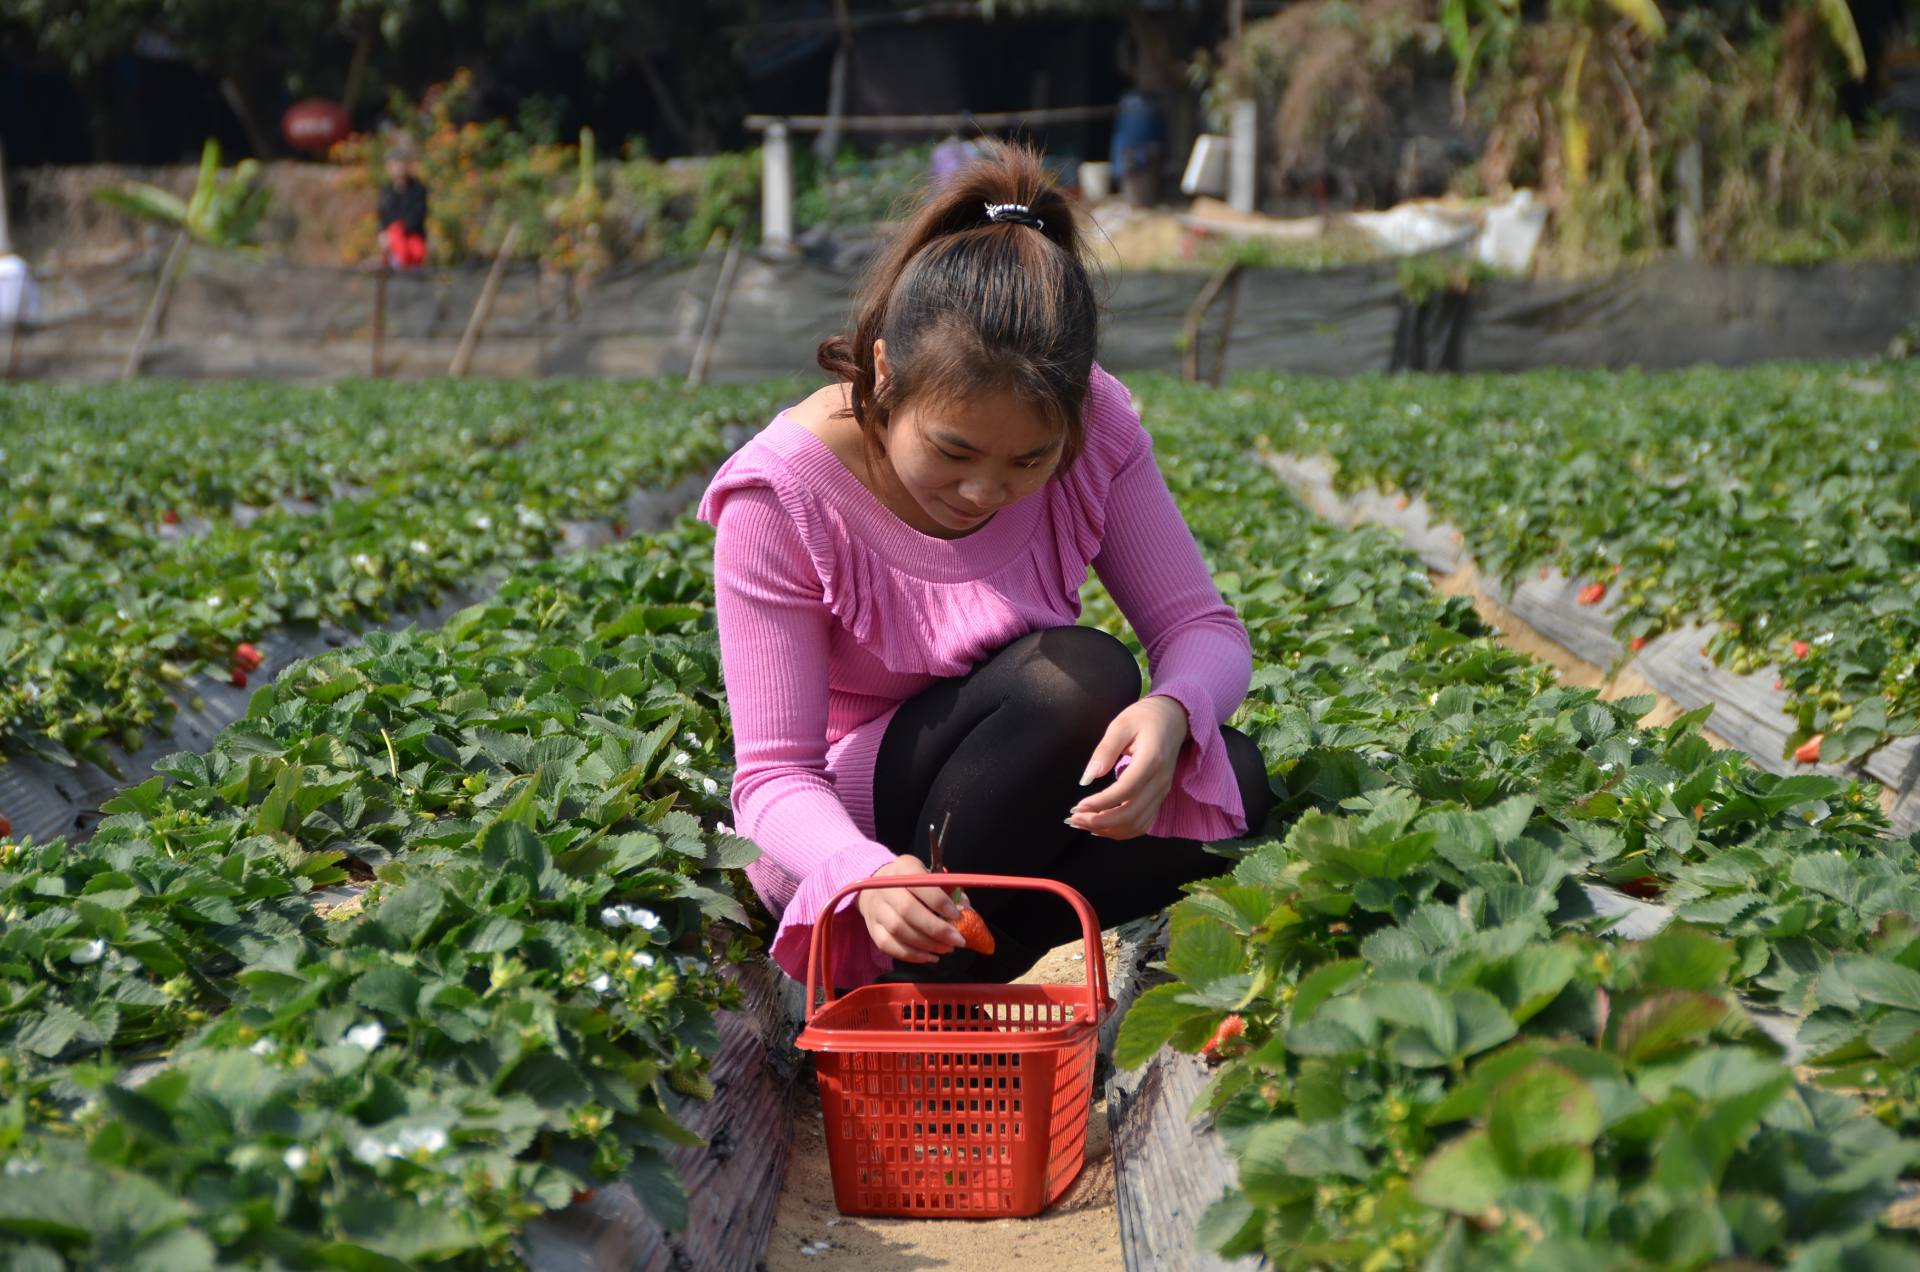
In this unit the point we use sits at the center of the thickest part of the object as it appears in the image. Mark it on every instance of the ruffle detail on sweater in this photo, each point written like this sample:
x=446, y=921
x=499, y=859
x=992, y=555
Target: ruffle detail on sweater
x=1211, y=808
x=908, y=623
x=854, y=958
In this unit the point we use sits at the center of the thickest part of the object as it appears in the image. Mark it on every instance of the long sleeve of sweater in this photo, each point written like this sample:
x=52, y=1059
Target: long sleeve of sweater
x=774, y=644
x=1198, y=653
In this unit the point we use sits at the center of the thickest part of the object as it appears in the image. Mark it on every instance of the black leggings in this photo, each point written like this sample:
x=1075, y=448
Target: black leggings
x=1002, y=748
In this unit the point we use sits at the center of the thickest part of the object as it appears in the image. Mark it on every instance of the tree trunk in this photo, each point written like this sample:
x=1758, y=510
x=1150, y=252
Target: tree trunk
x=259, y=139
x=827, y=144
x=663, y=98
x=356, y=71
x=102, y=132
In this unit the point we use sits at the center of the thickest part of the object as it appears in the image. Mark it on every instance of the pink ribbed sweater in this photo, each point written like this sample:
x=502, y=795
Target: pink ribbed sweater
x=833, y=611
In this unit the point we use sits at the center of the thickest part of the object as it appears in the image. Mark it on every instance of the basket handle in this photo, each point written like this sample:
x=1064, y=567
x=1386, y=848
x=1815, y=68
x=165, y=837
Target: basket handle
x=820, y=958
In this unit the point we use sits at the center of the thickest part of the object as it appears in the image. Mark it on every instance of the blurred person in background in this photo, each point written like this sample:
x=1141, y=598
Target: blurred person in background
x=403, y=211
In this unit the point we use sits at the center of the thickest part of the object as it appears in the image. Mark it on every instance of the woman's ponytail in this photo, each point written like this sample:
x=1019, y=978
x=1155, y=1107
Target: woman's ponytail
x=973, y=302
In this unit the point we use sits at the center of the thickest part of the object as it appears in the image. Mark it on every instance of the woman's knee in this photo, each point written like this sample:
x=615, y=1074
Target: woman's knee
x=1076, y=674
x=1250, y=772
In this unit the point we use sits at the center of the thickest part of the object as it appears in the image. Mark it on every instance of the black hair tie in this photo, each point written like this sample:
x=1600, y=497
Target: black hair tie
x=1017, y=213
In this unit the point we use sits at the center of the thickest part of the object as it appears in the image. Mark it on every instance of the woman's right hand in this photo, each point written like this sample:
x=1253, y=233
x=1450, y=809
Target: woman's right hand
x=910, y=924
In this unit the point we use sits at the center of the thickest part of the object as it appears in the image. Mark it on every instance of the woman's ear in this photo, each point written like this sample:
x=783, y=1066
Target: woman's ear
x=880, y=371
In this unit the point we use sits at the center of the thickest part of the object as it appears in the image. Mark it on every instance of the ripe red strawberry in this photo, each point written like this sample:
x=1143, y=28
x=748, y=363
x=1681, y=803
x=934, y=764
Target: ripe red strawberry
x=1592, y=593
x=247, y=657
x=1645, y=887
x=1401, y=502
x=171, y=517
x=6, y=827
x=619, y=527
x=238, y=679
x=1777, y=684
x=1809, y=751
x=1801, y=649
x=1230, y=1028
x=1544, y=572
x=1616, y=567
x=582, y=1195
x=974, y=930
x=1638, y=643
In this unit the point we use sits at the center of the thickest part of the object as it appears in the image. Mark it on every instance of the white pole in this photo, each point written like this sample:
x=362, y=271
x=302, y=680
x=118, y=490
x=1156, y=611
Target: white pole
x=1244, y=156
x=776, y=190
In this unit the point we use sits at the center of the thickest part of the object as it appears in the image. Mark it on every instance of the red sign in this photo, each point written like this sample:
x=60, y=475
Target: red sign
x=315, y=124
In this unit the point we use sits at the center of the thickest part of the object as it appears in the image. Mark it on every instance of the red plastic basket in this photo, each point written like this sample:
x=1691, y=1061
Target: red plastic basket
x=963, y=1101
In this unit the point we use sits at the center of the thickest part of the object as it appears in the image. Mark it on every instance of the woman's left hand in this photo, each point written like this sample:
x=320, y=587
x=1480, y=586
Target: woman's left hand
x=1150, y=732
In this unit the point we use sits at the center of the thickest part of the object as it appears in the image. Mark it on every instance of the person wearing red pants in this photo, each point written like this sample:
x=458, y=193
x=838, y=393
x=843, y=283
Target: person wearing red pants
x=403, y=212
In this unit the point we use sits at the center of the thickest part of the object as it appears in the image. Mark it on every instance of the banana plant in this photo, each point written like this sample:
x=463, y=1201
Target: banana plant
x=223, y=211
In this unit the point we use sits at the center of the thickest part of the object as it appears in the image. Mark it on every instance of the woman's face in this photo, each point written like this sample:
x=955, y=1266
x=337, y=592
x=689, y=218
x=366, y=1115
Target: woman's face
x=961, y=462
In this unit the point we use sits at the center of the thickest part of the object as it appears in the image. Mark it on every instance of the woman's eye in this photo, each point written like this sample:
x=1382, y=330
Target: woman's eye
x=952, y=459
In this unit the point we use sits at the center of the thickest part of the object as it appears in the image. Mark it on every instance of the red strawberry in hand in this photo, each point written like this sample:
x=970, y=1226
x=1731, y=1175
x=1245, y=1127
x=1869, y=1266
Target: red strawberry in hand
x=974, y=931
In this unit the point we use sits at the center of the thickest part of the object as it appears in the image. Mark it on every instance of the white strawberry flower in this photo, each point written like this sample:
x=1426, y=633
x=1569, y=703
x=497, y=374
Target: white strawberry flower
x=264, y=1047
x=296, y=1158
x=601, y=983
x=417, y=1139
x=368, y=1036
x=90, y=952
x=370, y=1149
x=619, y=916
x=642, y=959
x=710, y=786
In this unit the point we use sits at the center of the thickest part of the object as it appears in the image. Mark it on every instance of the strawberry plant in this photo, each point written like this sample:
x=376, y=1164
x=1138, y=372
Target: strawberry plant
x=1430, y=1053
x=338, y=505
x=199, y=1063
x=1780, y=503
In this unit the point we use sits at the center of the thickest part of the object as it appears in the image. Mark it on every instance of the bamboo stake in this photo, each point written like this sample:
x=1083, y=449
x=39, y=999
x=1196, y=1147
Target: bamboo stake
x=1197, y=314
x=151, y=323
x=1226, y=328
x=484, y=306
x=716, y=309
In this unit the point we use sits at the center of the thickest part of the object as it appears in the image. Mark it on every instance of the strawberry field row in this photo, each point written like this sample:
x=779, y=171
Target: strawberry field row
x=145, y=545
x=1778, y=507
x=505, y=1022
x=1436, y=1056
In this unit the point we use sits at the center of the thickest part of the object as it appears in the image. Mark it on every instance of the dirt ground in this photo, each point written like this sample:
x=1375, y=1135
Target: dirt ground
x=1080, y=1233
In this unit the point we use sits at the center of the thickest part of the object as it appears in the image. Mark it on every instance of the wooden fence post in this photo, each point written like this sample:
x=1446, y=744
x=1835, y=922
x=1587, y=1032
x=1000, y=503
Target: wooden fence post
x=380, y=312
